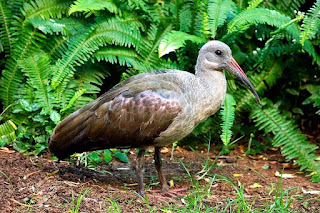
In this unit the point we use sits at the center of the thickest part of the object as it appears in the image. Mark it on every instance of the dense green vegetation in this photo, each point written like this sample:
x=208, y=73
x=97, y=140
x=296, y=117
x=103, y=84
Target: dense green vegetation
x=56, y=55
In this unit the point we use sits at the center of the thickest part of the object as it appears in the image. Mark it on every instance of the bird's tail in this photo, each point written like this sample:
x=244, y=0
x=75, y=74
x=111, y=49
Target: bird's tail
x=69, y=135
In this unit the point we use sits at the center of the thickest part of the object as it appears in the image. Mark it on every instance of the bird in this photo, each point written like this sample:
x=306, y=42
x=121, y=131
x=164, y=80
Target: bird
x=154, y=108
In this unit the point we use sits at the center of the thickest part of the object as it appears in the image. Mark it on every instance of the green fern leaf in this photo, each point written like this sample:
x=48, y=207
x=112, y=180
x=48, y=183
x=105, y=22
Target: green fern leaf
x=185, y=17
x=49, y=26
x=217, y=13
x=28, y=41
x=121, y=55
x=45, y=9
x=289, y=137
x=113, y=31
x=38, y=70
x=261, y=81
x=308, y=46
x=91, y=5
x=263, y=16
x=7, y=132
x=174, y=40
x=311, y=23
x=6, y=33
x=227, y=117
x=253, y=4
x=76, y=96
x=89, y=78
x=148, y=48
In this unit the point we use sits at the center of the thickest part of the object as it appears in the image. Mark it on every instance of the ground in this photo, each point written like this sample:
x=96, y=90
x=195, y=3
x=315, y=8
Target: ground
x=33, y=184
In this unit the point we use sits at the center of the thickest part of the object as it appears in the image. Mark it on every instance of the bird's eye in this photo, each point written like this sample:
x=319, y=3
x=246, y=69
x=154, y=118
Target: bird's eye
x=218, y=52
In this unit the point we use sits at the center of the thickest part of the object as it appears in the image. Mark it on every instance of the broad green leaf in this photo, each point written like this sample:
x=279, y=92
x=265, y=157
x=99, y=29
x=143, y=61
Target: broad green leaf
x=107, y=155
x=55, y=117
x=121, y=156
x=91, y=5
x=174, y=40
x=94, y=157
x=25, y=105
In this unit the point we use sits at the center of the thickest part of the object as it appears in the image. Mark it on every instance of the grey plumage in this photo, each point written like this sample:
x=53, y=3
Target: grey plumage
x=150, y=109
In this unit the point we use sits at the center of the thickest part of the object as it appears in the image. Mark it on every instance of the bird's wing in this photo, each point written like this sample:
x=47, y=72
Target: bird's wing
x=134, y=118
x=131, y=114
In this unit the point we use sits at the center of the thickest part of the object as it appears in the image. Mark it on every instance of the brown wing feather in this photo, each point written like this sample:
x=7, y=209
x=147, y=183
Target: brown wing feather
x=126, y=117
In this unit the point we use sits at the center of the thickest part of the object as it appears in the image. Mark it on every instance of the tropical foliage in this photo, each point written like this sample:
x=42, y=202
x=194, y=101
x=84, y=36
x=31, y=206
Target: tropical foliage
x=56, y=55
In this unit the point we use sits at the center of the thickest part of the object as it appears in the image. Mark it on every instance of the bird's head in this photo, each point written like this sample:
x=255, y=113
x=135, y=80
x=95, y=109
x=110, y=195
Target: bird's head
x=216, y=56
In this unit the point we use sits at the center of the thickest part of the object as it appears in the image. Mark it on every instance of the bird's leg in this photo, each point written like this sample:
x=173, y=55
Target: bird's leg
x=158, y=165
x=163, y=182
x=139, y=171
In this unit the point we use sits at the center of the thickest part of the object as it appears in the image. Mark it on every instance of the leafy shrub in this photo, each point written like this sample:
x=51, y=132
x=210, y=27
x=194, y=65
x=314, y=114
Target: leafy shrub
x=57, y=53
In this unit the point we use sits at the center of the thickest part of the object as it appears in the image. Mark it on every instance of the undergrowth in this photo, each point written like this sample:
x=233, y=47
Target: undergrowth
x=56, y=55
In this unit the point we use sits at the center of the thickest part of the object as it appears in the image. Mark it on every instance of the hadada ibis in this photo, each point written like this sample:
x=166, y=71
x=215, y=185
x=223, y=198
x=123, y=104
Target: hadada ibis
x=154, y=108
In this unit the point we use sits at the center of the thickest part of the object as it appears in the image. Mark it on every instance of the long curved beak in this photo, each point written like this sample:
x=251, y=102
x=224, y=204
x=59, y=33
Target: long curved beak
x=234, y=68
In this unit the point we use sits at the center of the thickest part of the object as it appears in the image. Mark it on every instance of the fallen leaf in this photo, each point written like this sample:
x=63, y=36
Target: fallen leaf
x=237, y=175
x=30, y=174
x=256, y=185
x=278, y=174
x=287, y=165
x=312, y=192
x=6, y=150
x=273, y=162
x=171, y=183
x=178, y=148
x=253, y=157
x=70, y=183
x=165, y=150
x=53, y=173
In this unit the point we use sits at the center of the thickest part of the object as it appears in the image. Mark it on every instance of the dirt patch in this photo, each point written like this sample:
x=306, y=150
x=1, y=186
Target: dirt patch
x=30, y=184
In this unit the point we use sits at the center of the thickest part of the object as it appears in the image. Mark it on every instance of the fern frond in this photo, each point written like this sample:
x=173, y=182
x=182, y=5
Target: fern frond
x=38, y=69
x=76, y=96
x=7, y=132
x=308, y=46
x=49, y=26
x=113, y=31
x=5, y=27
x=185, y=17
x=264, y=16
x=91, y=5
x=148, y=49
x=276, y=49
x=121, y=55
x=217, y=13
x=253, y=4
x=46, y=9
x=15, y=7
x=261, y=81
x=287, y=7
x=227, y=117
x=174, y=40
x=28, y=41
x=87, y=78
x=311, y=23
x=289, y=137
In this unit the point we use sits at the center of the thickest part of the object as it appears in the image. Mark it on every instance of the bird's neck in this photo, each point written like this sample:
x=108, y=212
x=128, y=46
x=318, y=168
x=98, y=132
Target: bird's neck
x=212, y=92
x=212, y=77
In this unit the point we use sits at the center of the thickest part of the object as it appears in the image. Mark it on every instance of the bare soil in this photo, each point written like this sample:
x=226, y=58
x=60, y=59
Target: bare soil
x=32, y=184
